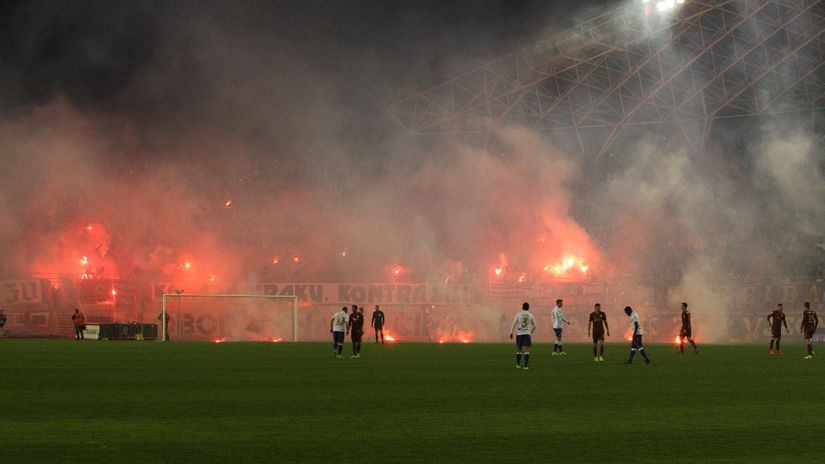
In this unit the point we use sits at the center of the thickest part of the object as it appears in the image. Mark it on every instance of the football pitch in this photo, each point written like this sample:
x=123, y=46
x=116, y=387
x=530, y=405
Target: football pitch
x=66, y=401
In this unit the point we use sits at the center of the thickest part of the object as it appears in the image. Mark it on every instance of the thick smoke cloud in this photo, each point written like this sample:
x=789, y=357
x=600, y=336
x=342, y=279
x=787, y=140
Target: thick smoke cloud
x=189, y=143
x=213, y=137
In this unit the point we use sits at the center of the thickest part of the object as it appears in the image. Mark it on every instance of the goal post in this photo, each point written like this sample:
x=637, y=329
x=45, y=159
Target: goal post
x=228, y=317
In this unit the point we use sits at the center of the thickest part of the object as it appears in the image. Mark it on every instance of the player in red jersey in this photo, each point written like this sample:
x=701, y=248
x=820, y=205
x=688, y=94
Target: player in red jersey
x=686, y=331
x=598, y=320
x=776, y=319
x=809, y=323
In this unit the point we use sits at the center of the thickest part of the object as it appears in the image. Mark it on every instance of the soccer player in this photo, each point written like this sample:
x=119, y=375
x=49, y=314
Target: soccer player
x=598, y=320
x=338, y=328
x=636, y=344
x=524, y=324
x=685, y=331
x=378, y=323
x=558, y=319
x=809, y=323
x=776, y=319
x=356, y=329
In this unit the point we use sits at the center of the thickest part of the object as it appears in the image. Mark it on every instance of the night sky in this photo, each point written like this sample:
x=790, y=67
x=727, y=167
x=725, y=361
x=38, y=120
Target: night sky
x=170, y=66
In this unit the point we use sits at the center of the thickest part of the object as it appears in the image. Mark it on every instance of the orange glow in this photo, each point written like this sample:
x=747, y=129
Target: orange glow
x=114, y=292
x=678, y=340
x=88, y=227
x=276, y=260
x=84, y=260
x=277, y=340
x=187, y=265
x=344, y=253
x=568, y=264
x=220, y=340
x=296, y=260
x=389, y=337
x=396, y=271
x=522, y=278
x=228, y=203
x=211, y=278
x=465, y=337
x=502, y=265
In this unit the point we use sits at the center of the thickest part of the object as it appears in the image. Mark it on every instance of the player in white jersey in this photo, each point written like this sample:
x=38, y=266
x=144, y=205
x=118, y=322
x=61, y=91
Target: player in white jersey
x=636, y=344
x=524, y=324
x=558, y=320
x=338, y=328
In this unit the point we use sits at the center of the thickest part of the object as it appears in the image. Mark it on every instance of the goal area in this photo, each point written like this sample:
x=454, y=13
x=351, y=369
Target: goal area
x=228, y=318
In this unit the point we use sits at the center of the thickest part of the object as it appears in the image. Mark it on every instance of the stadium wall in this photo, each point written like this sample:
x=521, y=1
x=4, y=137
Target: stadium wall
x=415, y=312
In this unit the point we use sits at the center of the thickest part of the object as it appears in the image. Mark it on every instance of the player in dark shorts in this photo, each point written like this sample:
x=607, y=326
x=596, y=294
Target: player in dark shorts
x=356, y=330
x=686, y=332
x=378, y=323
x=524, y=324
x=776, y=319
x=598, y=320
x=810, y=321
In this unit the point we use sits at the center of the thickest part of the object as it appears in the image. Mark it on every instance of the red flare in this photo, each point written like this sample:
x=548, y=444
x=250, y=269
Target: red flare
x=568, y=264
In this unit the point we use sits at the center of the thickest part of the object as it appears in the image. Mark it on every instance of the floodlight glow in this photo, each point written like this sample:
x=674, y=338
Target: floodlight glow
x=662, y=6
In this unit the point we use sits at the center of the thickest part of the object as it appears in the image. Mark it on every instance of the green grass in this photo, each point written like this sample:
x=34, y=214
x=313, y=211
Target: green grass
x=64, y=401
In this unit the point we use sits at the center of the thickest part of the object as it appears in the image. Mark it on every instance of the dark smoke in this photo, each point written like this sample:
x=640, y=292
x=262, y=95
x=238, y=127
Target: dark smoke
x=233, y=135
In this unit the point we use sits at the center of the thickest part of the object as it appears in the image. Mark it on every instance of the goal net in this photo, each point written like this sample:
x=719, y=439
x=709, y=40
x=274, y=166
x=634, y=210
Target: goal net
x=224, y=318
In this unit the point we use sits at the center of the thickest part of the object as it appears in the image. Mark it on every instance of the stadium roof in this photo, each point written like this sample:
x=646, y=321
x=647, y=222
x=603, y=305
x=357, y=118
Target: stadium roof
x=634, y=66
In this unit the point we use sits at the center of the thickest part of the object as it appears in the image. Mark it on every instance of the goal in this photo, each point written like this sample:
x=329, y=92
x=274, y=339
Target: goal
x=222, y=317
